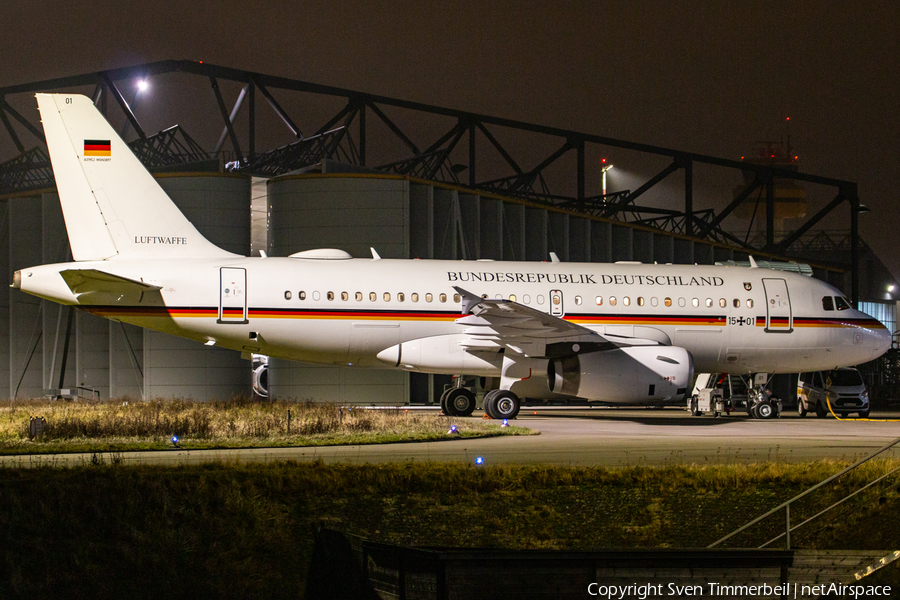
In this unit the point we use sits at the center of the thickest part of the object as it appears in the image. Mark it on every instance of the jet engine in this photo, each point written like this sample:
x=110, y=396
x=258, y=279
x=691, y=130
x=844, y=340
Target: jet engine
x=629, y=375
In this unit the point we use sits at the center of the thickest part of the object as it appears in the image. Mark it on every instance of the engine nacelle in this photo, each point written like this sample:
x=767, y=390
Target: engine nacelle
x=630, y=375
x=442, y=354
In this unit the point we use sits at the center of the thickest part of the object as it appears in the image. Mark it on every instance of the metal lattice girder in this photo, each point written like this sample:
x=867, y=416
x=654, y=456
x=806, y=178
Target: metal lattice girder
x=30, y=170
x=172, y=146
x=429, y=165
x=293, y=156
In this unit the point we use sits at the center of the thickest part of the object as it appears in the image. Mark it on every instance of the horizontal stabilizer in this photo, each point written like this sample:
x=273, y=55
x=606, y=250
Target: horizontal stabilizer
x=90, y=281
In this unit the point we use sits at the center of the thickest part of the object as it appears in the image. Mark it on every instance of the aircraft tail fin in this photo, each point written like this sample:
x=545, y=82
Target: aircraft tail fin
x=113, y=207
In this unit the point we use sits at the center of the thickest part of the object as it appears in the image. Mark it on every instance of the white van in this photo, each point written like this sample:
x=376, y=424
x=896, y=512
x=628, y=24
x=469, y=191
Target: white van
x=845, y=389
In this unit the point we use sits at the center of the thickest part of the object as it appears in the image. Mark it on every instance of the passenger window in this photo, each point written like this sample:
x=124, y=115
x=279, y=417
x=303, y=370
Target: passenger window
x=316, y=295
x=626, y=301
x=827, y=303
x=303, y=295
x=556, y=300
x=428, y=297
x=414, y=296
x=723, y=302
x=287, y=295
x=612, y=300
x=387, y=297
x=841, y=303
x=457, y=298
x=443, y=297
x=345, y=296
x=577, y=300
x=373, y=296
x=695, y=302
x=668, y=302
x=359, y=296
x=330, y=296
x=681, y=302
x=749, y=303
x=400, y=296
x=526, y=299
x=709, y=303
x=512, y=297
x=654, y=301
x=737, y=303
x=599, y=300
x=640, y=301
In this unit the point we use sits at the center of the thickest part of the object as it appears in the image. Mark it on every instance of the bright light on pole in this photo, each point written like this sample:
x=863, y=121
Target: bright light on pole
x=603, y=169
x=142, y=85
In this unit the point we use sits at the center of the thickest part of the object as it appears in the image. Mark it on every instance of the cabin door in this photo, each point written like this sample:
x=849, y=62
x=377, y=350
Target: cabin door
x=778, y=306
x=232, y=295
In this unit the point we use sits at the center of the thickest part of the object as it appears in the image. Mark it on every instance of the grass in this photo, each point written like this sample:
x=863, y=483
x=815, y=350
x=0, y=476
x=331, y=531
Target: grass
x=122, y=425
x=245, y=531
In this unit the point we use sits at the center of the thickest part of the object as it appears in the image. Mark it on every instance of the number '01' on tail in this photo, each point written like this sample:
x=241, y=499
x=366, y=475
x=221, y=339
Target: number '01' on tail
x=113, y=207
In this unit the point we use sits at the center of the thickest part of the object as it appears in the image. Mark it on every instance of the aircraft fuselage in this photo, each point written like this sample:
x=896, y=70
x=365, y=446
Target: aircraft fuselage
x=340, y=312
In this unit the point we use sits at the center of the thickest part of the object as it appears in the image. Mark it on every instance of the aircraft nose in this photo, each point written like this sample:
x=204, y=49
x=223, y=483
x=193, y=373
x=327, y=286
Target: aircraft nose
x=882, y=341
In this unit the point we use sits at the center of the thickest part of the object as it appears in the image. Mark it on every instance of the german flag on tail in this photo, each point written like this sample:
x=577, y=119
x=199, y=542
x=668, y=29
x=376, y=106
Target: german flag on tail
x=97, y=148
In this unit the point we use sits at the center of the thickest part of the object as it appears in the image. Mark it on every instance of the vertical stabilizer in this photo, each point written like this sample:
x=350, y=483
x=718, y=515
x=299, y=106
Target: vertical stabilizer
x=112, y=205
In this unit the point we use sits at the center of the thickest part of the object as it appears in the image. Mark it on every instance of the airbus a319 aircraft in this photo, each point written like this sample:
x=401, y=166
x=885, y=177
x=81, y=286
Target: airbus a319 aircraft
x=621, y=333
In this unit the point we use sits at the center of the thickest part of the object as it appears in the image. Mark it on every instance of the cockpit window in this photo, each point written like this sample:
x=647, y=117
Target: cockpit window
x=827, y=303
x=841, y=303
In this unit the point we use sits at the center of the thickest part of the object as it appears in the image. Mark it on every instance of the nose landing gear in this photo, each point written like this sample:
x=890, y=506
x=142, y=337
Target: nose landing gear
x=760, y=402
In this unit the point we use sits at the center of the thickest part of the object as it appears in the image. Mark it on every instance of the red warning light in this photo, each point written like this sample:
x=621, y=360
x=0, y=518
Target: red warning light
x=788, y=119
x=603, y=160
x=796, y=157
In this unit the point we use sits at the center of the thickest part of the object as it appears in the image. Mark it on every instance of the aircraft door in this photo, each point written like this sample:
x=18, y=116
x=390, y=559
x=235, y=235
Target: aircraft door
x=556, y=303
x=232, y=295
x=778, y=306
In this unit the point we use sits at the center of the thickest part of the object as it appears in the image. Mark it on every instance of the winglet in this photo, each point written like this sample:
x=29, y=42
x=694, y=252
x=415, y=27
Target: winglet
x=554, y=258
x=469, y=300
x=375, y=255
x=753, y=264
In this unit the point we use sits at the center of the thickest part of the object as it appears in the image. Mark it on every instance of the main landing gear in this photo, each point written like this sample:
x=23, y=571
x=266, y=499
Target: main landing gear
x=501, y=404
x=458, y=401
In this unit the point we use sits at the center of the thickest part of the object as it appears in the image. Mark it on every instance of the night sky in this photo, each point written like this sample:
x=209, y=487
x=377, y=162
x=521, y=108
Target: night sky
x=707, y=77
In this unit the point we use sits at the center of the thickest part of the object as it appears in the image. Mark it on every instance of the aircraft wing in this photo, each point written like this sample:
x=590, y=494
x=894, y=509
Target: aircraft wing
x=492, y=324
x=86, y=282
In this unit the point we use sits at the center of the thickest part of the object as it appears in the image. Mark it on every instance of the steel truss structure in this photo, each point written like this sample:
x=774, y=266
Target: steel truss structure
x=332, y=140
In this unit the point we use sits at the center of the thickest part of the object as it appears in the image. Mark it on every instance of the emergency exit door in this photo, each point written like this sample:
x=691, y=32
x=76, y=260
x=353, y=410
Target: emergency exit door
x=556, y=303
x=778, y=306
x=232, y=295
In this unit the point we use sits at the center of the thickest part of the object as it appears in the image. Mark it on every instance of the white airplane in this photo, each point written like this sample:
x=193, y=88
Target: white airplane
x=622, y=333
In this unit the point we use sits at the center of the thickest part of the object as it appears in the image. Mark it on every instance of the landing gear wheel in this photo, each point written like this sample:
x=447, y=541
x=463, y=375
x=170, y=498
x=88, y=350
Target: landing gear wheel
x=764, y=410
x=446, y=407
x=695, y=404
x=505, y=405
x=801, y=410
x=490, y=403
x=460, y=402
x=821, y=412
